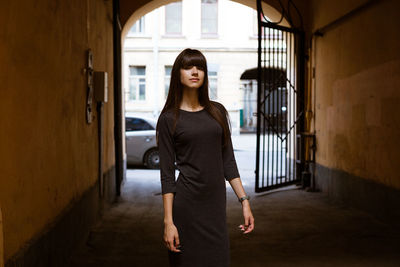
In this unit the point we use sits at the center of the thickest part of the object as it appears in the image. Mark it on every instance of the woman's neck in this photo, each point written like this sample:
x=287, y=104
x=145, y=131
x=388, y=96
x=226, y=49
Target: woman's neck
x=190, y=99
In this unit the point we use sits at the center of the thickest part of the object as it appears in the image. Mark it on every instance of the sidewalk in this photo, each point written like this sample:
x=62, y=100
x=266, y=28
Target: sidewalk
x=244, y=142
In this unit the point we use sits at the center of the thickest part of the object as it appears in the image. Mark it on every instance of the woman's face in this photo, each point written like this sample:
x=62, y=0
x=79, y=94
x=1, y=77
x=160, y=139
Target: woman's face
x=192, y=77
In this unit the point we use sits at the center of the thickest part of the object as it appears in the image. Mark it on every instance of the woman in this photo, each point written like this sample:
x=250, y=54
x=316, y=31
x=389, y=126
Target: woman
x=194, y=132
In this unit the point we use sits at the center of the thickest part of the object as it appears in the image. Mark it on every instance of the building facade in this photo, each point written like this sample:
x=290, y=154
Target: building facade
x=225, y=31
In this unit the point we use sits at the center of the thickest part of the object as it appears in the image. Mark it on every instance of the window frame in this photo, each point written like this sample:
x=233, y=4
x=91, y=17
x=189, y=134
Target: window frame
x=138, y=83
x=141, y=26
x=209, y=34
x=167, y=77
x=180, y=20
x=213, y=68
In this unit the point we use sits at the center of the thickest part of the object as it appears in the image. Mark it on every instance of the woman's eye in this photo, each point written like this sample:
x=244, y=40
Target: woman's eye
x=190, y=67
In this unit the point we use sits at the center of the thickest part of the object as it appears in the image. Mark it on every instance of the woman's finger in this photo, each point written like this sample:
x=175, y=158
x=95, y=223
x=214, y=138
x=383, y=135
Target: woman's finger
x=165, y=240
x=177, y=243
x=171, y=245
x=251, y=225
x=246, y=221
x=248, y=229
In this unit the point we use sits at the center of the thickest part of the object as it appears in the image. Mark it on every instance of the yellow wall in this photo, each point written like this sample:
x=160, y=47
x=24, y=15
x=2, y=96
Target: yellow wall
x=48, y=153
x=356, y=90
x=1, y=240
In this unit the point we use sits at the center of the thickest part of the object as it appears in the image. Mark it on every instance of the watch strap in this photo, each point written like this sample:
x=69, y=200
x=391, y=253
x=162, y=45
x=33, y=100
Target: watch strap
x=243, y=198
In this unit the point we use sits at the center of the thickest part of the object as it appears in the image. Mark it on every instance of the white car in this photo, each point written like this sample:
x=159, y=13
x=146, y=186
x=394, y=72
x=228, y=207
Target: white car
x=141, y=147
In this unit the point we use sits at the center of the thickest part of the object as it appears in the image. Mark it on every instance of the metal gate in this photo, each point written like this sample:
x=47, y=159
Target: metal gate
x=280, y=111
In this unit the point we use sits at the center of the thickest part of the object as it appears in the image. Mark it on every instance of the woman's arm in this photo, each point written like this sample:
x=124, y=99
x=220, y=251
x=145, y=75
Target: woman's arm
x=168, y=200
x=166, y=150
x=170, y=230
x=236, y=184
x=231, y=174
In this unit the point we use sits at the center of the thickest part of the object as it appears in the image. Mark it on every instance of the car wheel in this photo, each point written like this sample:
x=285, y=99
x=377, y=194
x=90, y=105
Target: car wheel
x=152, y=159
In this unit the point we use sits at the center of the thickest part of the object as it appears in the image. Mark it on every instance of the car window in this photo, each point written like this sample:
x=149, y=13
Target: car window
x=136, y=124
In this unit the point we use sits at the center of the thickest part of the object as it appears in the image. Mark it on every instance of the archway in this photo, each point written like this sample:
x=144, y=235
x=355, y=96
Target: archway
x=270, y=11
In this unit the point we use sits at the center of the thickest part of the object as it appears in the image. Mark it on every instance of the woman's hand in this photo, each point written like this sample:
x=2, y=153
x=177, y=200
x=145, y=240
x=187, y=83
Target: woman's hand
x=171, y=237
x=248, y=218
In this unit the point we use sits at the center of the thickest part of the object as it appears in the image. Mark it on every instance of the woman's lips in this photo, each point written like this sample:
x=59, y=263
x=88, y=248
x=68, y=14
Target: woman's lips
x=194, y=80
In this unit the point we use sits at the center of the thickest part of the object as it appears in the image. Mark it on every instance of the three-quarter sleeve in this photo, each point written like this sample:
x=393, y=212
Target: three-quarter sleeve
x=230, y=166
x=167, y=155
x=228, y=156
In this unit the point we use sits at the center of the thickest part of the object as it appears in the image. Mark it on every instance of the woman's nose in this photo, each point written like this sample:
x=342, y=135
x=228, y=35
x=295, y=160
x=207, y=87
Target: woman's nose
x=194, y=70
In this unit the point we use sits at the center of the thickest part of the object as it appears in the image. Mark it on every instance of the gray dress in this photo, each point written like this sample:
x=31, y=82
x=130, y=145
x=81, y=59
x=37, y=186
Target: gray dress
x=199, y=206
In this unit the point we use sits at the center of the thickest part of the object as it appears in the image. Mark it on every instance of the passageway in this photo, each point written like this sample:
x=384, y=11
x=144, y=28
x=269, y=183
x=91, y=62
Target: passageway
x=293, y=227
x=62, y=136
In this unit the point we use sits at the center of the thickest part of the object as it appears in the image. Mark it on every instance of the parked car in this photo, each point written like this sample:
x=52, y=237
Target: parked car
x=141, y=147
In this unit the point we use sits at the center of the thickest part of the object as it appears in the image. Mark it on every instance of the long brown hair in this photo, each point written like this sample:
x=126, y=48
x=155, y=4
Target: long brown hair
x=192, y=57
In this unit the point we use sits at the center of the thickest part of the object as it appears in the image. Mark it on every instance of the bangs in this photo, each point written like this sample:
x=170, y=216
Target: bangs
x=194, y=59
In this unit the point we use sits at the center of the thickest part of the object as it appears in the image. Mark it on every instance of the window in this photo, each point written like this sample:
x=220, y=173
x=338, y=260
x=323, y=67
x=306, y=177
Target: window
x=167, y=79
x=136, y=124
x=213, y=81
x=137, y=83
x=209, y=17
x=137, y=28
x=173, y=18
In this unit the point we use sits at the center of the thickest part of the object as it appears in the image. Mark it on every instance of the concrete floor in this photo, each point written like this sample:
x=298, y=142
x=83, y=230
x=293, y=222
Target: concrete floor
x=292, y=228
